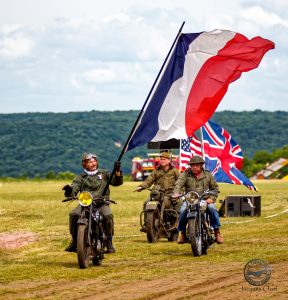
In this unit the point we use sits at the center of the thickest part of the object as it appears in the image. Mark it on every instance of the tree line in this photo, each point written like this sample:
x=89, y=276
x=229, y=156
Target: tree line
x=51, y=144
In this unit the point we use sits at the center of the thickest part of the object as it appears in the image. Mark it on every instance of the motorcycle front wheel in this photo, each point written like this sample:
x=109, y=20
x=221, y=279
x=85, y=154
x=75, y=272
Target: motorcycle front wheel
x=194, y=232
x=153, y=226
x=83, y=249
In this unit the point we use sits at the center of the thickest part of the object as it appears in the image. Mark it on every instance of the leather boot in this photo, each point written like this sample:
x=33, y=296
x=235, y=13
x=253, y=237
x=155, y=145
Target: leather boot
x=110, y=247
x=71, y=247
x=181, y=238
x=219, y=238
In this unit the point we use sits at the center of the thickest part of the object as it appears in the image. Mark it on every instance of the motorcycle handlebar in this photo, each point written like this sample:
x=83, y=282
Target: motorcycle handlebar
x=212, y=192
x=69, y=199
x=111, y=201
x=95, y=199
x=104, y=200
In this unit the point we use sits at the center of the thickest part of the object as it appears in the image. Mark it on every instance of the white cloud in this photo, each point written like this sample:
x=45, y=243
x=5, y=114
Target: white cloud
x=80, y=55
x=9, y=28
x=15, y=46
x=99, y=76
x=263, y=18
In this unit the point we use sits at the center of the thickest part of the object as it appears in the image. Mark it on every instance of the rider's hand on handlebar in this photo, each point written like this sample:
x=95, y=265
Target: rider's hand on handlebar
x=68, y=190
x=175, y=195
x=209, y=201
x=139, y=189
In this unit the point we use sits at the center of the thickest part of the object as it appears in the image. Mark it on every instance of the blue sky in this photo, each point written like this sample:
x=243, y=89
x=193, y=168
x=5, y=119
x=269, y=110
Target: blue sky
x=82, y=55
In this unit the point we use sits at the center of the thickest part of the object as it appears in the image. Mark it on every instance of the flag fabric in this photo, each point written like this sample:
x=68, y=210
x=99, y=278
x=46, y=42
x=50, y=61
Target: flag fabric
x=188, y=148
x=196, y=78
x=223, y=155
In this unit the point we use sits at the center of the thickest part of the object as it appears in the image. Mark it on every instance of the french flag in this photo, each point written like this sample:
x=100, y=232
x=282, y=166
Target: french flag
x=196, y=78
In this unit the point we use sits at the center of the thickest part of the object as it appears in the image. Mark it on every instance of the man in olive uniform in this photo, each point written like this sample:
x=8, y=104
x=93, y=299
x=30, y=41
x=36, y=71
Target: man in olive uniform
x=195, y=178
x=165, y=176
x=93, y=180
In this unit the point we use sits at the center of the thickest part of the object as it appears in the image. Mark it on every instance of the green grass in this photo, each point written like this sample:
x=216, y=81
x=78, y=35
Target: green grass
x=37, y=207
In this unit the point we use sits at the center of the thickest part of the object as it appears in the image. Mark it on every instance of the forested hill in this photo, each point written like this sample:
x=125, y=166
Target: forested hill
x=33, y=144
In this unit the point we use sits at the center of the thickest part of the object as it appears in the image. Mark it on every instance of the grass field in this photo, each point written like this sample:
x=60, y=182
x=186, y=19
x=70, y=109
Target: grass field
x=138, y=270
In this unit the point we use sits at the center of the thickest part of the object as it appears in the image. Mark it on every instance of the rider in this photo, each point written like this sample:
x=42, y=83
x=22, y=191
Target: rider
x=164, y=176
x=195, y=178
x=93, y=180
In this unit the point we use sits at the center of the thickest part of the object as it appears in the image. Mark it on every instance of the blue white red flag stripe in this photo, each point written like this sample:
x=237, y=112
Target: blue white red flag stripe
x=194, y=82
x=223, y=155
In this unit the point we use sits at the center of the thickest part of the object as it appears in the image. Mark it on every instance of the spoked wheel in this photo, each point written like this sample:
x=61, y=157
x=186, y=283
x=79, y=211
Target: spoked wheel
x=194, y=232
x=153, y=226
x=97, y=259
x=170, y=220
x=83, y=249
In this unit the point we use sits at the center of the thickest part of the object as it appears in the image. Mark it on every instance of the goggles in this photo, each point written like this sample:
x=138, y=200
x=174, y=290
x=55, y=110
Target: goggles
x=89, y=156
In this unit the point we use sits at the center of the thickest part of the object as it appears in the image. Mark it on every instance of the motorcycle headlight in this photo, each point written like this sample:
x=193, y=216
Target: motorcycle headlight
x=191, y=199
x=155, y=195
x=85, y=198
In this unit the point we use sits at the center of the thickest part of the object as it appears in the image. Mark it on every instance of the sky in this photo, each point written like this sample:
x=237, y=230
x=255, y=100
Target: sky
x=83, y=55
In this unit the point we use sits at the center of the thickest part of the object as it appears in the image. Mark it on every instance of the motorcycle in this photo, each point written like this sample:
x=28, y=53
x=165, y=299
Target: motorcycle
x=91, y=239
x=199, y=231
x=160, y=221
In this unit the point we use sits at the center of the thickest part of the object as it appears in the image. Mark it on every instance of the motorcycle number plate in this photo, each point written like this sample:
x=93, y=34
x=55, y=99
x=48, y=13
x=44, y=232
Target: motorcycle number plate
x=151, y=205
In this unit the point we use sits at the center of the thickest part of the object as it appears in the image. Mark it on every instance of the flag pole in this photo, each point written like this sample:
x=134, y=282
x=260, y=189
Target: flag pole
x=201, y=140
x=202, y=146
x=143, y=107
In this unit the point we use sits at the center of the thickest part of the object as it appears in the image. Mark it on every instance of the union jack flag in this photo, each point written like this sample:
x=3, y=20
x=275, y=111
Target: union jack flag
x=223, y=155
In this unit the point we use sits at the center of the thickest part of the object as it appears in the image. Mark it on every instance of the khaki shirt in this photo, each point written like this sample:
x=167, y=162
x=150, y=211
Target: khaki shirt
x=95, y=184
x=204, y=182
x=166, y=179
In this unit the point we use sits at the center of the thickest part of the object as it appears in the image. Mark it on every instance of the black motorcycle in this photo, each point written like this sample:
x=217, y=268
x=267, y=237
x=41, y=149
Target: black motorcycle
x=199, y=231
x=91, y=239
x=160, y=221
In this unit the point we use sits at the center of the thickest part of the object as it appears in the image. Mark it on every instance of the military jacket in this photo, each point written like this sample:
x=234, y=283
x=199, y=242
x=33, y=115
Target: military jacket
x=95, y=184
x=166, y=179
x=189, y=181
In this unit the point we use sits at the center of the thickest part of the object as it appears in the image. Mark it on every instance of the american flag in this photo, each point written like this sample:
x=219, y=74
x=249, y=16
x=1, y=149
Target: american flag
x=189, y=147
x=223, y=155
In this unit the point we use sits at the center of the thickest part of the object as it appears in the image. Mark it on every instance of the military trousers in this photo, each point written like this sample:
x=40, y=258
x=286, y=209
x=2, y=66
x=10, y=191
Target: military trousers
x=108, y=220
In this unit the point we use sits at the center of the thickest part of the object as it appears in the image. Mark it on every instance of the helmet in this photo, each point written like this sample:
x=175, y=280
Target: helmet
x=196, y=160
x=88, y=156
x=165, y=155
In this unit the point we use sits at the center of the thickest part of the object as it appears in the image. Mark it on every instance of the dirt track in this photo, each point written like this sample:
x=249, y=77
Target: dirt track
x=205, y=282
x=225, y=283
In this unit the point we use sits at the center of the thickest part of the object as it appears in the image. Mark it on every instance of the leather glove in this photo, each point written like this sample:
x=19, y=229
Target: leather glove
x=117, y=166
x=68, y=190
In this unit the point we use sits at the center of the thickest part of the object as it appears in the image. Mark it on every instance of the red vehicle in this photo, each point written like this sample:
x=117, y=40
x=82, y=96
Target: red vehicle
x=142, y=167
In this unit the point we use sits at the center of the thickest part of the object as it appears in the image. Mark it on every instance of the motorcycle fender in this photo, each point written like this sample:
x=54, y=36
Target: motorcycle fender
x=191, y=215
x=83, y=221
x=151, y=205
